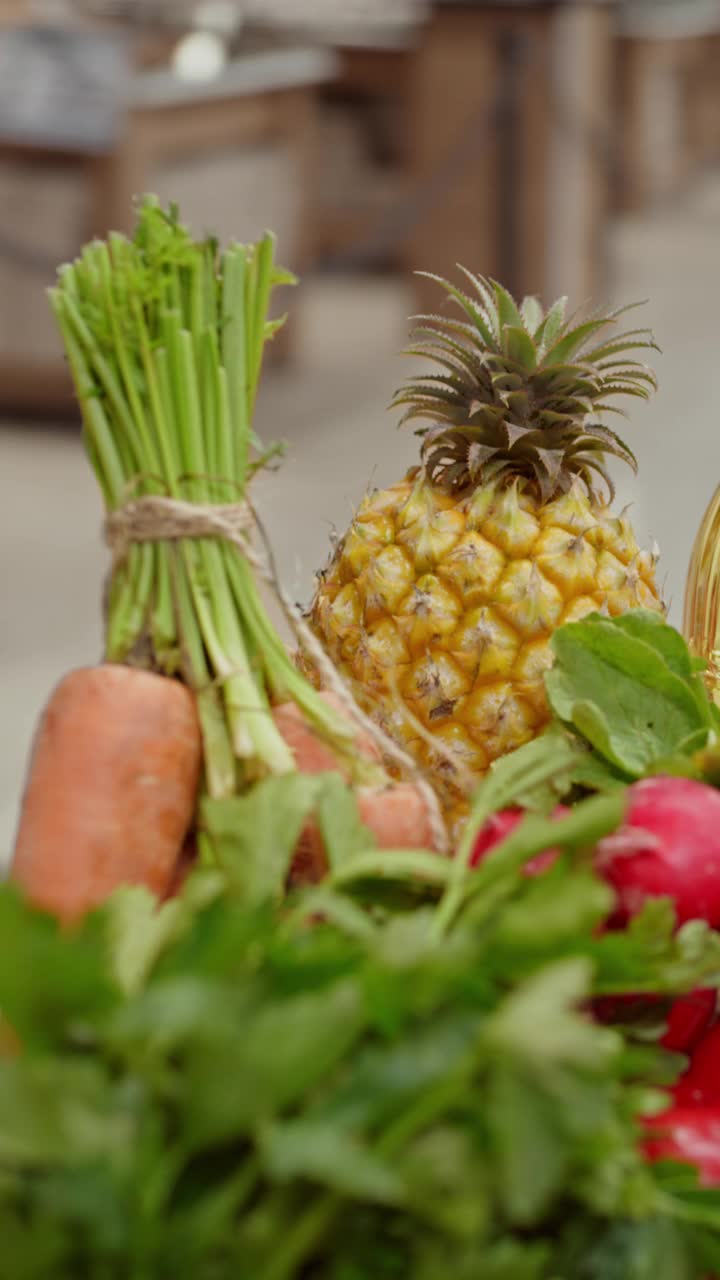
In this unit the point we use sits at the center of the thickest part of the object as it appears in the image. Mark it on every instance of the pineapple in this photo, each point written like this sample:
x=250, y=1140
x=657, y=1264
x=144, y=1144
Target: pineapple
x=439, y=603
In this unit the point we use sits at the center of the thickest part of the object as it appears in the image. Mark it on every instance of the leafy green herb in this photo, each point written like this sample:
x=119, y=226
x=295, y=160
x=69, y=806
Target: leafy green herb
x=227, y=1087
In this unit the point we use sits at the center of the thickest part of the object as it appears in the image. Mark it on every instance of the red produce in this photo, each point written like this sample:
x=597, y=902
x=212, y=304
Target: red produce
x=669, y=846
x=499, y=826
x=690, y=1135
x=687, y=1021
x=700, y=1085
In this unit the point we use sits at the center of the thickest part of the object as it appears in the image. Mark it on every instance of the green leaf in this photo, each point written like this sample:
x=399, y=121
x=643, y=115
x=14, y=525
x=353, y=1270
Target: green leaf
x=549, y=1004
x=314, y=1030
x=552, y=324
x=269, y=1060
x=593, y=773
x=588, y=822
x=507, y=310
x=651, y=627
x=45, y=983
x=474, y=312
x=572, y=342
x=590, y=721
x=520, y=347
x=556, y=908
x=344, y=834
x=531, y=313
x=531, y=1154
x=407, y=865
x=322, y=1153
x=56, y=1112
x=619, y=692
x=548, y=759
x=385, y=1078
x=255, y=835
x=138, y=931
x=530, y=771
x=336, y=908
x=651, y=1249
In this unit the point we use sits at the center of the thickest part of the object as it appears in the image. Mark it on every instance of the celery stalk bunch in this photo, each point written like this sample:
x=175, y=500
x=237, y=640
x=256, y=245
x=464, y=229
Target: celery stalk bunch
x=165, y=338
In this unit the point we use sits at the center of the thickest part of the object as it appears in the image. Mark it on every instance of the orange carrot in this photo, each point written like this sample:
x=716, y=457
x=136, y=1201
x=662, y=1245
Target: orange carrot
x=398, y=817
x=312, y=754
x=111, y=788
x=184, y=866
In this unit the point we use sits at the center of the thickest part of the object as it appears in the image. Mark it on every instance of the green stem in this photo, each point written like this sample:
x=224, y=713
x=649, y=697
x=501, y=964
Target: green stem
x=284, y=680
x=130, y=616
x=163, y=623
x=110, y=471
x=302, y=1238
x=521, y=772
x=225, y=455
x=154, y=365
x=185, y=406
x=234, y=355
x=208, y=362
x=253, y=730
x=129, y=602
x=307, y=1233
x=165, y=343
x=588, y=822
x=128, y=440
x=219, y=758
x=264, y=262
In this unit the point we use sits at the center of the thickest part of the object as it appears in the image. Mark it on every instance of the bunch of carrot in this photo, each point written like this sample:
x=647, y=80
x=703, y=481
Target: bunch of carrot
x=197, y=694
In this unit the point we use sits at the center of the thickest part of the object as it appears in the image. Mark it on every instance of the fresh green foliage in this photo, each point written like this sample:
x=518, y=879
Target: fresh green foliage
x=328, y=1090
x=629, y=689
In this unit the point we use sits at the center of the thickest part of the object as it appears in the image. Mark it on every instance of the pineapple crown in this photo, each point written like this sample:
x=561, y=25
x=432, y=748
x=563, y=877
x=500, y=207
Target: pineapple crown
x=520, y=391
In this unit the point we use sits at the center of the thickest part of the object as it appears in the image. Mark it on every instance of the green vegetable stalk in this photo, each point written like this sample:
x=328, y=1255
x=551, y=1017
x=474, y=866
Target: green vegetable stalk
x=165, y=338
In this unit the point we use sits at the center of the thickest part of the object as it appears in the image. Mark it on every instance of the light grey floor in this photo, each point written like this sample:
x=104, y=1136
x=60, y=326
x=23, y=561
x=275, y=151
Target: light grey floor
x=332, y=412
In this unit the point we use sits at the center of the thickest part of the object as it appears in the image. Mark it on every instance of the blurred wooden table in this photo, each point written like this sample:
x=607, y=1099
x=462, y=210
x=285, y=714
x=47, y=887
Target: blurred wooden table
x=668, y=95
x=510, y=111
x=187, y=142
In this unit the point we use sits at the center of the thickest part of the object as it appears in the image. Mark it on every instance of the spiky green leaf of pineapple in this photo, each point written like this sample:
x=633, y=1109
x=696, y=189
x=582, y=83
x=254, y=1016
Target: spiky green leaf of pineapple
x=522, y=390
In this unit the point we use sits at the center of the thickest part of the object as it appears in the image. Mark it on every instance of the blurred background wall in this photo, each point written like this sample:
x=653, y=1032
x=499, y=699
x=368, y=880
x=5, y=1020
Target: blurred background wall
x=565, y=148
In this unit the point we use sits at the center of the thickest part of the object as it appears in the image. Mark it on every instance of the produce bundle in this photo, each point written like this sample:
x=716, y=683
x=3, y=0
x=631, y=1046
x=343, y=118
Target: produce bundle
x=255, y=1022
x=165, y=339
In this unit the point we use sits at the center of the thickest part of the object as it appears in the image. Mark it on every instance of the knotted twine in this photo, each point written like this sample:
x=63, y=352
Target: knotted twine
x=157, y=519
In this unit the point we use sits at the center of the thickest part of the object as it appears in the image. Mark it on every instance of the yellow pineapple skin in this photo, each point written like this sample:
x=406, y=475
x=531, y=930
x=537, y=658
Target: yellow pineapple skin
x=439, y=611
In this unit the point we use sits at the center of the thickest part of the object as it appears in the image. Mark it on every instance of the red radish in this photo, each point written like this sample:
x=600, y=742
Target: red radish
x=700, y=1085
x=669, y=846
x=688, y=1019
x=111, y=788
x=501, y=825
x=690, y=1135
